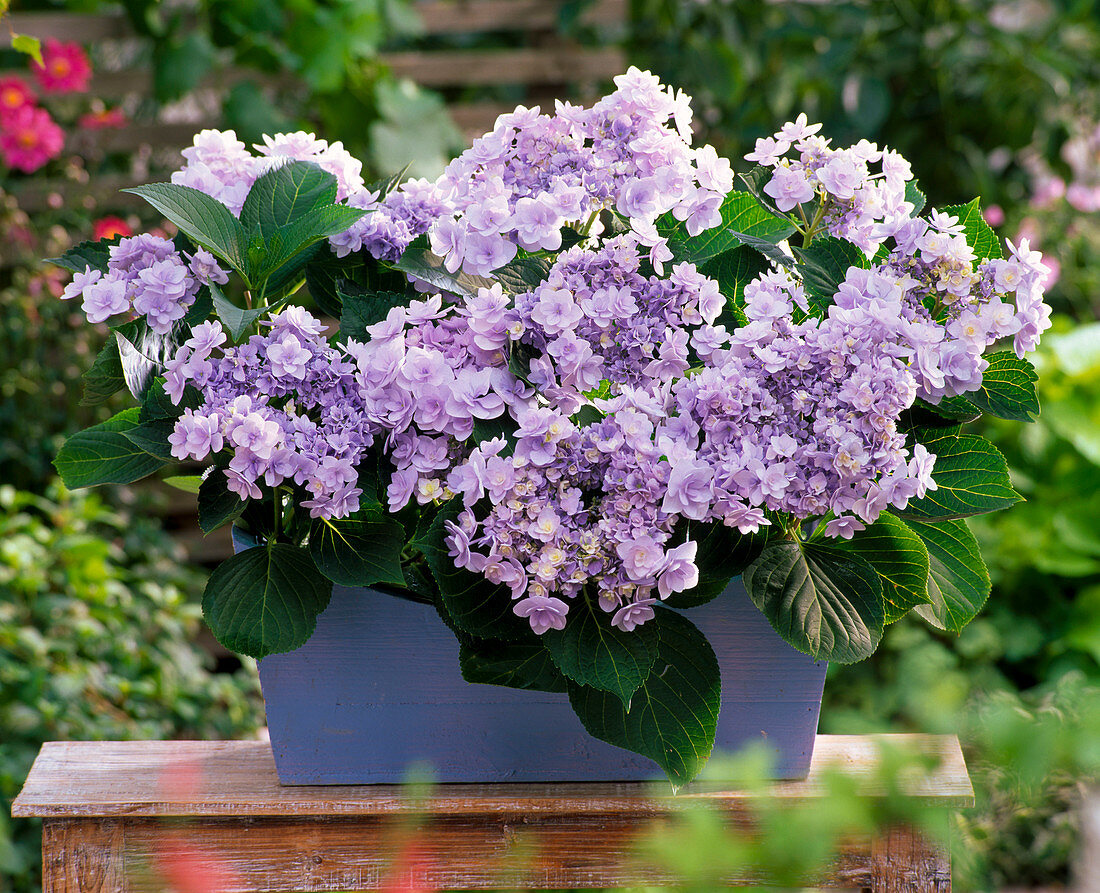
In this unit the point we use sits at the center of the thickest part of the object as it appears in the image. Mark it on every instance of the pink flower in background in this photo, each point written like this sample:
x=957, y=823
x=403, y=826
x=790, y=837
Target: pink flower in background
x=103, y=119
x=994, y=215
x=14, y=95
x=29, y=138
x=66, y=68
x=109, y=227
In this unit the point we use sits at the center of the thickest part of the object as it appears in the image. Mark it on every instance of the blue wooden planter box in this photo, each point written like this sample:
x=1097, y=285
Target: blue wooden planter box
x=378, y=688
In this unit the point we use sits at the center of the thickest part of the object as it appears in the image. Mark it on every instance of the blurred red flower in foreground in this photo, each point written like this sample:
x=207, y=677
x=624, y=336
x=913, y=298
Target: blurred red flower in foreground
x=65, y=69
x=109, y=227
x=409, y=870
x=14, y=95
x=29, y=138
x=102, y=120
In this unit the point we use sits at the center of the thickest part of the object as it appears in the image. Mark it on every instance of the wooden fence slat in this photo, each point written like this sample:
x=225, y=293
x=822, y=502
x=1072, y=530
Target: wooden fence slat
x=69, y=26
x=443, y=17
x=451, y=68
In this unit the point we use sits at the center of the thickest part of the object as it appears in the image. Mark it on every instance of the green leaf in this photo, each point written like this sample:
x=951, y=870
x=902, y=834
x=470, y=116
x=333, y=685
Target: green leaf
x=899, y=558
x=769, y=250
x=825, y=264
x=979, y=234
x=590, y=651
x=202, y=219
x=822, y=601
x=971, y=477
x=423, y=265
x=525, y=665
x=104, y=379
x=723, y=553
x=1008, y=388
x=142, y=352
x=86, y=254
x=358, y=551
x=103, y=454
x=958, y=583
x=673, y=715
x=742, y=215
x=28, y=46
x=152, y=437
x=363, y=307
x=188, y=483
x=914, y=196
x=733, y=270
x=285, y=194
x=950, y=412
x=755, y=181
x=217, y=503
x=472, y=603
x=156, y=404
x=265, y=600
x=237, y=320
x=523, y=274
x=289, y=247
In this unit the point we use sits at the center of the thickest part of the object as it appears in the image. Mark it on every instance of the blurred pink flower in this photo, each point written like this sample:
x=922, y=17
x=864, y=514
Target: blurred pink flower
x=103, y=119
x=14, y=95
x=29, y=138
x=109, y=227
x=1084, y=197
x=1054, y=268
x=65, y=69
x=994, y=215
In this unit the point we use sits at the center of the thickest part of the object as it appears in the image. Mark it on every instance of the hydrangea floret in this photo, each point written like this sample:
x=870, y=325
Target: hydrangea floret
x=570, y=389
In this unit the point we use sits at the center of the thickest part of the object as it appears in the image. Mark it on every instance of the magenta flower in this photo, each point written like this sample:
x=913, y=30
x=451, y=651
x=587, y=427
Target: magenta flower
x=65, y=68
x=29, y=138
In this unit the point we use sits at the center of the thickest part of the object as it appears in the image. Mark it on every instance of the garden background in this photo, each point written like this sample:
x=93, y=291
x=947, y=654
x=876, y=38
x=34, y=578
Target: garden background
x=100, y=635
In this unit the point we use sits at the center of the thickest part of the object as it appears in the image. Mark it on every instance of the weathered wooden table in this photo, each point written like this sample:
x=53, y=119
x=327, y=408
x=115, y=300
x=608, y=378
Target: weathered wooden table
x=109, y=807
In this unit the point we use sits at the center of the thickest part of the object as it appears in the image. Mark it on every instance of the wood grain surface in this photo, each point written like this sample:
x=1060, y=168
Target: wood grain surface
x=237, y=778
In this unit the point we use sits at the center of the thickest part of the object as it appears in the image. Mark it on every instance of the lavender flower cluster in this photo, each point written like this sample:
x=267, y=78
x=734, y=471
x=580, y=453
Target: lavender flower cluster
x=517, y=186
x=146, y=276
x=636, y=411
x=221, y=166
x=597, y=318
x=855, y=204
x=284, y=403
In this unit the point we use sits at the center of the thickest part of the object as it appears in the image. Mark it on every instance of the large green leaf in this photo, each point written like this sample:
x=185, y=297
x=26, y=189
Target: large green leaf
x=358, y=551
x=1008, y=388
x=286, y=193
x=472, y=603
x=217, y=503
x=971, y=477
x=733, y=270
x=824, y=602
x=899, y=558
x=363, y=307
x=152, y=436
x=237, y=320
x=673, y=715
x=958, y=583
x=525, y=665
x=423, y=265
x=265, y=600
x=105, y=377
x=523, y=274
x=86, y=254
x=979, y=235
x=825, y=263
x=103, y=454
x=741, y=214
x=288, y=248
x=204, y=220
x=590, y=651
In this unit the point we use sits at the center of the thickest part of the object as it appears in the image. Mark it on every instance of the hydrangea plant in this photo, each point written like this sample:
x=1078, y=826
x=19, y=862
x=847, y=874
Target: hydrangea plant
x=578, y=383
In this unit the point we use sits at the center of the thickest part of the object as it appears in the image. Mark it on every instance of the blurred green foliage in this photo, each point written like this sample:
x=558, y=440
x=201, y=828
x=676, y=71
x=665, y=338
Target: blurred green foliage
x=97, y=641
x=1028, y=759
x=945, y=82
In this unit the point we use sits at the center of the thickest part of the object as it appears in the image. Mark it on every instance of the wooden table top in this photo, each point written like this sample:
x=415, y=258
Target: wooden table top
x=237, y=778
